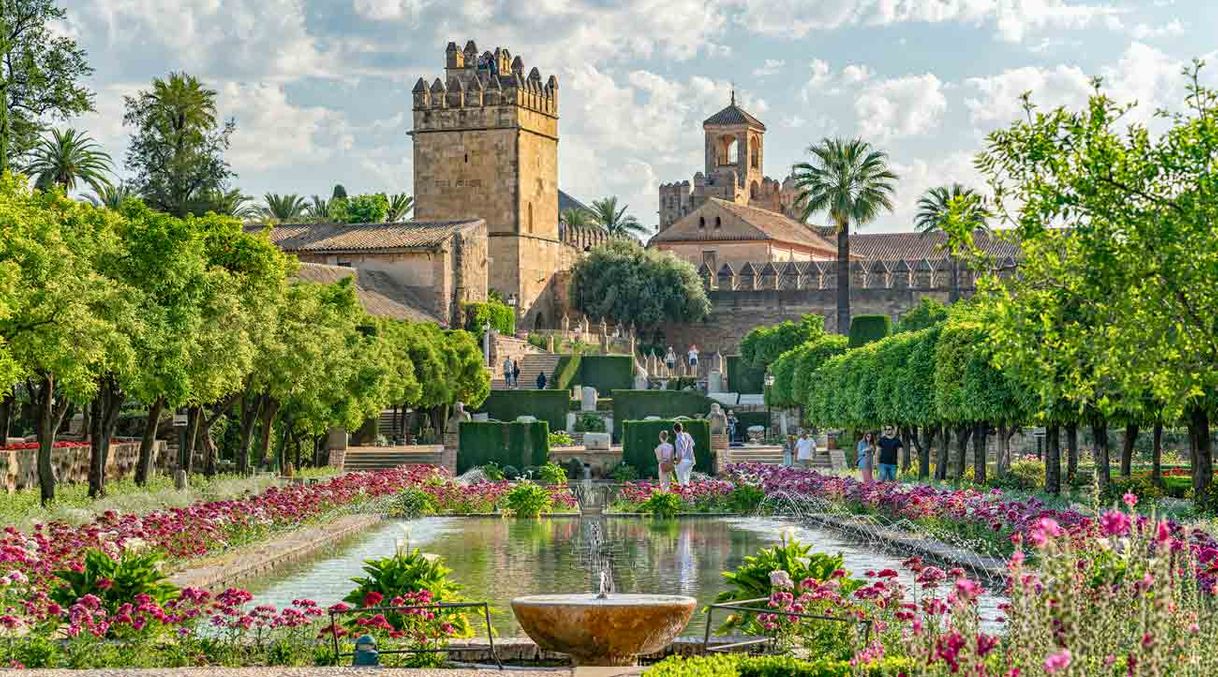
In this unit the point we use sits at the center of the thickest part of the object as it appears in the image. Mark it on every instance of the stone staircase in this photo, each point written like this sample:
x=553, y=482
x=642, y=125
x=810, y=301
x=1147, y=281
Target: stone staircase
x=380, y=458
x=531, y=364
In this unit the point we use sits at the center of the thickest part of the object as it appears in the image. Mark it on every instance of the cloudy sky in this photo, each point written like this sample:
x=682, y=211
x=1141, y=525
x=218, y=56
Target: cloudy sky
x=320, y=89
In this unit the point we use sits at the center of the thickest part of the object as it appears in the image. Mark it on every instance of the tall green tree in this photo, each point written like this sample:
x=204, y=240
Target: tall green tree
x=614, y=221
x=231, y=202
x=69, y=158
x=851, y=182
x=623, y=282
x=318, y=209
x=40, y=73
x=283, y=207
x=113, y=195
x=935, y=208
x=576, y=218
x=177, y=145
x=400, y=206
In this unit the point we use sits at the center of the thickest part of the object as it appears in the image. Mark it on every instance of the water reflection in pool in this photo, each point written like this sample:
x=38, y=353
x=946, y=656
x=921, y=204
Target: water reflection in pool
x=496, y=559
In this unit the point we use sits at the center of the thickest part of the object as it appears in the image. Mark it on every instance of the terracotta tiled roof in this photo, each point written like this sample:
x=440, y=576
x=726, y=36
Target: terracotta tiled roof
x=913, y=246
x=733, y=115
x=759, y=224
x=374, y=303
x=363, y=237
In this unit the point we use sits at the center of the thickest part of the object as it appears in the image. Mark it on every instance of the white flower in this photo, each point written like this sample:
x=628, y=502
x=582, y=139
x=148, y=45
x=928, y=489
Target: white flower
x=135, y=545
x=787, y=534
x=17, y=577
x=781, y=580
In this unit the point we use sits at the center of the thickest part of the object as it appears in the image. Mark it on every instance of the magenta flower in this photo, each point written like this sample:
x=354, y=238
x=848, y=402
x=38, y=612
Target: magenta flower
x=1058, y=661
x=1130, y=499
x=1114, y=523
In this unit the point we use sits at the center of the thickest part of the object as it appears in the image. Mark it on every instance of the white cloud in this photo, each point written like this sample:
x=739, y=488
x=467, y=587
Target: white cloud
x=915, y=176
x=770, y=67
x=997, y=99
x=856, y=73
x=1145, y=31
x=821, y=72
x=389, y=10
x=900, y=107
x=271, y=132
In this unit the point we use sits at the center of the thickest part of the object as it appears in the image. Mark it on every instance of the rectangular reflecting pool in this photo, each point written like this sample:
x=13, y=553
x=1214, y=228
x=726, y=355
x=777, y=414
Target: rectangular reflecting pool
x=496, y=559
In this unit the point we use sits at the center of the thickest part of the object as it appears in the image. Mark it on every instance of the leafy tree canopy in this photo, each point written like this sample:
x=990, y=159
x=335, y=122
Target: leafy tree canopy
x=625, y=283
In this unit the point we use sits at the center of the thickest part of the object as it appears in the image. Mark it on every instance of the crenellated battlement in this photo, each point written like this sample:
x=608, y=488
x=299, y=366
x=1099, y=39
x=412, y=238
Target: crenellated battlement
x=918, y=275
x=487, y=80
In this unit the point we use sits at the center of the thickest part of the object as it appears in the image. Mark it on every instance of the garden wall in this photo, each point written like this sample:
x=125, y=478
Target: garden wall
x=516, y=444
x=550, y=406
x=640, y=438
x=19, y=470
x=636, y=405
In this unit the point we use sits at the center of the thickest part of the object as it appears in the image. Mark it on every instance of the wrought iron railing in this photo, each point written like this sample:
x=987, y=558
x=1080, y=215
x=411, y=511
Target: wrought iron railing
x=741, y=606
x=448, y=606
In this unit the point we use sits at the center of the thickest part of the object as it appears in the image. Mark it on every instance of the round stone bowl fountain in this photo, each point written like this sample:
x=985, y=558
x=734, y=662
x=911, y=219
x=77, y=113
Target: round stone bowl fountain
x=612, y=630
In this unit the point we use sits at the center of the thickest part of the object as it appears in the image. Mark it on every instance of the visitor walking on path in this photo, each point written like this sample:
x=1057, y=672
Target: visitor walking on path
x=685, y=455
x=890, y=445
x=804, y=449
x=866, y=454
x=664, y=459
x=507, y=371
x=732, y=424
x=541, y=380
x=515, y=374
x=788, y=451
x=670, y=359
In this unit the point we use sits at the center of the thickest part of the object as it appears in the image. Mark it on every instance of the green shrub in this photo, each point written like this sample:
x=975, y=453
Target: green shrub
x=1139, y=484
x=539, y=341
x=413, y=502
x=746, y=499
x=751, y=579
x=114, y=581
x=560, y=439
x=501, y=317
x=528, y=499
x=407, y=571
x=662, y=504
x=607, y=373
x=636, y=405
x=589, y=423
x=551, y=473
x=566, y=372
x=492, y=471
x=516, y=444
x=774, y=666
x=867, y=328
x=639, y=440
x=544, y=405
x=511, y=472
x=743, y=377
x=624, y=472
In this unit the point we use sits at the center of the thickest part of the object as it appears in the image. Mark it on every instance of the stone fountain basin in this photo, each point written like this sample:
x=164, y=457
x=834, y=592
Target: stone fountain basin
x=612, y=631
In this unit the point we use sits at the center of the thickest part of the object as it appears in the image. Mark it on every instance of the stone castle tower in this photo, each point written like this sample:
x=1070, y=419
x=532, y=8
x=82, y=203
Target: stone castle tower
x=486, y=146
x=734, y=150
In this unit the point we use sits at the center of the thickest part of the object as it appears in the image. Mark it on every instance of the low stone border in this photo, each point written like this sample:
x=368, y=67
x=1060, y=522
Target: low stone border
x=522, y=650
x=247, y=561
x=300, y=672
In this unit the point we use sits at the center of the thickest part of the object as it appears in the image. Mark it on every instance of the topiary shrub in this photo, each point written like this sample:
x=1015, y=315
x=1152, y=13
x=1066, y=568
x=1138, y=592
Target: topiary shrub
x=867, y=328
x=662, y=504
x=515, y=444
x=501, y=317
x=639, y=440
x=544, y=405
x=528, y=500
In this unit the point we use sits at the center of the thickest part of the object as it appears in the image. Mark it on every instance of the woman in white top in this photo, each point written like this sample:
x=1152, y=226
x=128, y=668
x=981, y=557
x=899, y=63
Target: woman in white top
x=804, y=449
x=664, y=459
x=685, y=455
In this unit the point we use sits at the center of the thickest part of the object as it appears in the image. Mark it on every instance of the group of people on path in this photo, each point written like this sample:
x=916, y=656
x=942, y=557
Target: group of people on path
x=885, y=451
x=691, y=357
x=511, y=374
x=799, y=449
x=676, y=457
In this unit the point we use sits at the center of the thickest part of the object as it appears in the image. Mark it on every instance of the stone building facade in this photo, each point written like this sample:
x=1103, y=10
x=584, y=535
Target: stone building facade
x=486, y=146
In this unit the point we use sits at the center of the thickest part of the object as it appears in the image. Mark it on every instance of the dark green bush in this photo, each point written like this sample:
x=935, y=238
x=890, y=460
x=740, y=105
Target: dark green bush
x=545, y=405
x=624, y=472
x=639, y=440
x=867, y=328
x=130, y=575
x=606, y=373
x=743, y=377
x=514, y=444
x=566, y=372
x=500, y=315
x=635, y=405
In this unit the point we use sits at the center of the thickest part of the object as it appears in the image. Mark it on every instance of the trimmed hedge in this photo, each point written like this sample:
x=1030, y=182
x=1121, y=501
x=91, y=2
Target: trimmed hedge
x=867, y=328
x=516, y=444
x=743, y=378
x=500, y=315
x=774, y=666
x=639, y=440
x=636, y=405
x=566, y=372
x=606, y=373
x=546, y=405
x=744, y=419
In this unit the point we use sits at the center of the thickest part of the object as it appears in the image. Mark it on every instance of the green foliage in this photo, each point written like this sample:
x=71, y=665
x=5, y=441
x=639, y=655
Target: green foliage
x=551, y=473
x=67, y=159
x=624, y=472
x=606, y=373
x=492, y=471
x=527, y=499
x=560, y=438
x=738, y=665
x=928, y=313
x=793, y=369
x=413, y=502
x=751, y=579
x=501, y=317
x=743, y=377
x=516, y=444
x=662, y=504
x=968, y=387
x=625, y=283
x=544, y=405
x=114, y=581
x=408, y=571
x=367, y=208
x=566, y=372
x=639, y=440
x=746, y=499
x=762, y=346
x=867, y=328
x=606, y=215
x=587, y=422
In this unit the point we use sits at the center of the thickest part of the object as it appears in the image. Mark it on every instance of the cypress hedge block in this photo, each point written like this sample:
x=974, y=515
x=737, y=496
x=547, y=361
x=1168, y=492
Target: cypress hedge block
x=516, y=444
x=867, y=328
x=607, y=373
x=744, y=378
x=545, y=405
x=640, y=438
x=636, y=405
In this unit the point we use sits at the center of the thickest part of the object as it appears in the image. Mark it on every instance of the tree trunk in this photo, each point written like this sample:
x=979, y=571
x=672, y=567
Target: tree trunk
x=941, y=458
x=187, y=462
x=1071, y=451
x=49, y=414
x=104, y=419
x=267, y=417
x=1203, y=471
x=144, y=469
x=924, y=452
x=251, y=408
x=843, y=278
x=953, y=283
x=1103, y=463
x=1131, y=436
x=1004, y=433
x=907, y=449
x=979, y=460
x=1053, y=459
x=6, y=415
x=963, y=434
x=1156, y=453
x=210, y=452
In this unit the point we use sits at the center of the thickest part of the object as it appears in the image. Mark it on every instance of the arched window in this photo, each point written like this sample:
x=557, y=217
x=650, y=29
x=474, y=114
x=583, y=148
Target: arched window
x=753, y=189
x=701, y=221
x=530, y=217
x=718, y=222
x=755, y=156
x=728, y=152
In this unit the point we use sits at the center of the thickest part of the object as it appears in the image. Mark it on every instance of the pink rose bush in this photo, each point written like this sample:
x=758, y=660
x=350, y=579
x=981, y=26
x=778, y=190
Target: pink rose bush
x=705, y=495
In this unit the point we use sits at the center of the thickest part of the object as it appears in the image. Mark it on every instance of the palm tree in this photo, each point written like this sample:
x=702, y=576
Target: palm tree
x=67, y=158
x=849, y=180
x=318, y=209
x=112, y=196
x=616, y=222
x=289, y=207
x=228, y=202
x=400, y=204
x=576, y=217
x=940, y=203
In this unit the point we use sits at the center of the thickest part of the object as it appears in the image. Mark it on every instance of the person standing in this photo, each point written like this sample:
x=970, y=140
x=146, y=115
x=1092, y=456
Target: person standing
x=507, y=371
x=788, y=451
x=732, y=424
x=693, y=357
x=541, y=380
x=866, y=457
x=670, y=359
x=890, y=446
x=664, y=460
x=804, y=449
x=685, y=454
x=515, y=374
